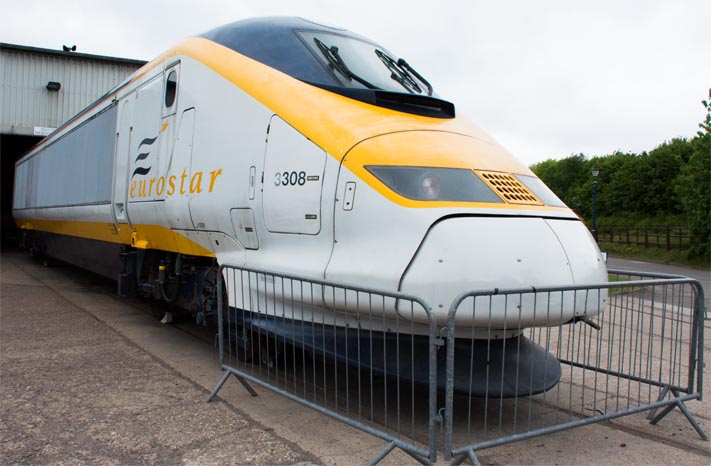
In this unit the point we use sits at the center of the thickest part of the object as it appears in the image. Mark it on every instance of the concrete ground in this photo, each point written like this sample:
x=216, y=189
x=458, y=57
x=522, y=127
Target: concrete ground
x=76, y=391
x=89, y=378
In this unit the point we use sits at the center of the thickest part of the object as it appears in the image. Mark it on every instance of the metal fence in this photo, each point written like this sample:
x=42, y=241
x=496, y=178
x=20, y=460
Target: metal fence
x=377, y=361
x=634, y=346
x=363, y=356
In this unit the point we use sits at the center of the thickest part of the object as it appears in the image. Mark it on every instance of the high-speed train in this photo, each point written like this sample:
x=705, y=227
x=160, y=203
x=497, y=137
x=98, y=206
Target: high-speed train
x=287, y=145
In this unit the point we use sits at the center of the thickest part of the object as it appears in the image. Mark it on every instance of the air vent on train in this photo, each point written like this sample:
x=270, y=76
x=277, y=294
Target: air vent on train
x=509, y=188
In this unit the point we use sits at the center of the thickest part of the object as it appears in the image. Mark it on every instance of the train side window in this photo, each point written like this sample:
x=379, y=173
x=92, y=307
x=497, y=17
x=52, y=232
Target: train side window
x=171, y=88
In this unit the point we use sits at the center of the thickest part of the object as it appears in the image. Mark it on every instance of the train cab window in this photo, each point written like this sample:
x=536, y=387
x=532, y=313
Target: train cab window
x=171, y=89
x=359, y=64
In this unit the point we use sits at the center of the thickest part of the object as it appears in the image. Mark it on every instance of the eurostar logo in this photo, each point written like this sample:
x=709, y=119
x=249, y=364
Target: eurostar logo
x=169, y=185
x=145, y=145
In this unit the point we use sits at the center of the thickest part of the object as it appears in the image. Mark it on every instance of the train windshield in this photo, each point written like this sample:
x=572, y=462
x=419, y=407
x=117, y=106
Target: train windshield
x=362, y=65
x=335, y=60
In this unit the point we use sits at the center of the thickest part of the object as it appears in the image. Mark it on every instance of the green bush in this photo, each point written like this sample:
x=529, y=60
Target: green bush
x=667, y=186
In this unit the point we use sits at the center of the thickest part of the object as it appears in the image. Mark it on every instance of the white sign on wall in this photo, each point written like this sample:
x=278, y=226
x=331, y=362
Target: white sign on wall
x=43, y=131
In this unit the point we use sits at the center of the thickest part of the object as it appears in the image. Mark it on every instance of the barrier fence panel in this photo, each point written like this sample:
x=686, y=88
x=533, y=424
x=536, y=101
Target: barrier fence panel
x=363, y=356
x=604, y=351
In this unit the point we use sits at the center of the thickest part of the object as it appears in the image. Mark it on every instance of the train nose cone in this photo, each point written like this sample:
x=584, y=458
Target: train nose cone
x=472, y=253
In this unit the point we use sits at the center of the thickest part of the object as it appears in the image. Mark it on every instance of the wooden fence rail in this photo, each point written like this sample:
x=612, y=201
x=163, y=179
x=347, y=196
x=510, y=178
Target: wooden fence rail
x=659, y=237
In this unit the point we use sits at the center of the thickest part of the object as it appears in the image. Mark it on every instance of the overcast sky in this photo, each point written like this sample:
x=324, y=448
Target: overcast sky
x=546, y=78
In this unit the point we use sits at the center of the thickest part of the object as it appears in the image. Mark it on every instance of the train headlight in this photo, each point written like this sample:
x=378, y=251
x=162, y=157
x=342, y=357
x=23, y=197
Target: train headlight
x=430, y=187
x=435, y=184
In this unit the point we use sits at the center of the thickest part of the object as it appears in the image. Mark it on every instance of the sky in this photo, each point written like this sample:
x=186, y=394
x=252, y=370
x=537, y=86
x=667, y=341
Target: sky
x=546, y=78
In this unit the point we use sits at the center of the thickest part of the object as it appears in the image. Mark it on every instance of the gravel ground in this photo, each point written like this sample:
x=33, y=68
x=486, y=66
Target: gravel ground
x=74, y=391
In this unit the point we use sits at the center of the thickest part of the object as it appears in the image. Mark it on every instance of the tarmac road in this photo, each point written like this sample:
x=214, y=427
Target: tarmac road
x=702, y=275
x=89, y=378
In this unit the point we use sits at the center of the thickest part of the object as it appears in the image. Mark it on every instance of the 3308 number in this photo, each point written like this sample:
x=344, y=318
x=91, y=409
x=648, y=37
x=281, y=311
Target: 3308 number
x=289, y=178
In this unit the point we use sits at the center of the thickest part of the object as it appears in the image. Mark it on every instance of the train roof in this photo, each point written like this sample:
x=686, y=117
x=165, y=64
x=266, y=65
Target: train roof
x=274, y=41
x=334, y=59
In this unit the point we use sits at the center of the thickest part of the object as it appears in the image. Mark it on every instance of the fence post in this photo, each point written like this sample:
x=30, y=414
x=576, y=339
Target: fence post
x=668, y=238
x=696, y=356
x=220, y=315
x=646, y=238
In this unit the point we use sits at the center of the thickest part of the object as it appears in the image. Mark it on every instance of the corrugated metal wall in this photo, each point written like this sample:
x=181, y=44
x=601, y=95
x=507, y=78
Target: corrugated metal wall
x=25, y=102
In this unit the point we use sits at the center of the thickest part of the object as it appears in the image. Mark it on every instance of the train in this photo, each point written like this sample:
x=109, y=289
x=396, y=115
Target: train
x=284, y=144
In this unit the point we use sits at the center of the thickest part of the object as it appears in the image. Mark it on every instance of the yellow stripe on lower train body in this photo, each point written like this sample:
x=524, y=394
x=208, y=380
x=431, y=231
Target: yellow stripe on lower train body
x=142, y=237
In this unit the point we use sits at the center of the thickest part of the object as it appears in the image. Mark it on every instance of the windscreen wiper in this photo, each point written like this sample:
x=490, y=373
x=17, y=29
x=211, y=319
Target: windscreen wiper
x=402, y=73
x=399, y=74
x=406, y=66
x=335, y=62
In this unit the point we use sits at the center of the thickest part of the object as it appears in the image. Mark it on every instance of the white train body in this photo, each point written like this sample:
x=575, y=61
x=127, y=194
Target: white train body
x=208, y=153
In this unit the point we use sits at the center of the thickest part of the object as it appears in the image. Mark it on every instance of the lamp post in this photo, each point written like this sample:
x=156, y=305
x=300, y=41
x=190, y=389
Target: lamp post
x=595, y=172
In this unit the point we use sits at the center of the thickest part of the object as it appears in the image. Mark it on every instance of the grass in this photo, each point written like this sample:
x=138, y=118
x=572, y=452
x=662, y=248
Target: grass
x=621, y=289
x=673, y=256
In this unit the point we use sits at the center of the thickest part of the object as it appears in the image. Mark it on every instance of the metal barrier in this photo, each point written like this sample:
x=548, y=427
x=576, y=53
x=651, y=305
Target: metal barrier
x=633, y=346
x=366, y=357
x=374, y=359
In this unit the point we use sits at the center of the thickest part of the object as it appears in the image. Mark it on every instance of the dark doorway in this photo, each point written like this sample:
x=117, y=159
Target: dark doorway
x=12, y=147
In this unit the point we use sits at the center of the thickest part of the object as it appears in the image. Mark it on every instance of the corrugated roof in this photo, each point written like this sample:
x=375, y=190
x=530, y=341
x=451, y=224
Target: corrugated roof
x=79, y=55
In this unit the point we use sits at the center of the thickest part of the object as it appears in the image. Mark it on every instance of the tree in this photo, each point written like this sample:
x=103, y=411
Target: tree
x=672, y=179
x=659, y=170
x=694, y=186
x=623, y=184
x=563, y=176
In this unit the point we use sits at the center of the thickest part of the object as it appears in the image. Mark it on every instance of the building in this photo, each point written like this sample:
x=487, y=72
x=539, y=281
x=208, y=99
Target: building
x=39, y=90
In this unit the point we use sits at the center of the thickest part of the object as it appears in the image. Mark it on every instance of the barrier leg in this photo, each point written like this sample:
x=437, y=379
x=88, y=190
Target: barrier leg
x=218, y=386
x=692, y=420
x=385, y=452
x=473, y=458
x=224, y=379
x=419, y=459
x=685, y=411
x=688, y=415
x=244, y=383
x=468, y=455
x=388, y=449
x=661, y=396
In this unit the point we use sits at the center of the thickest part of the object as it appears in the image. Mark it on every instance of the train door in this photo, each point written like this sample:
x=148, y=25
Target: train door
x=143, y=155
x=121, y=163
x=168, y=127
x=292, y=183
x=178, y=174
